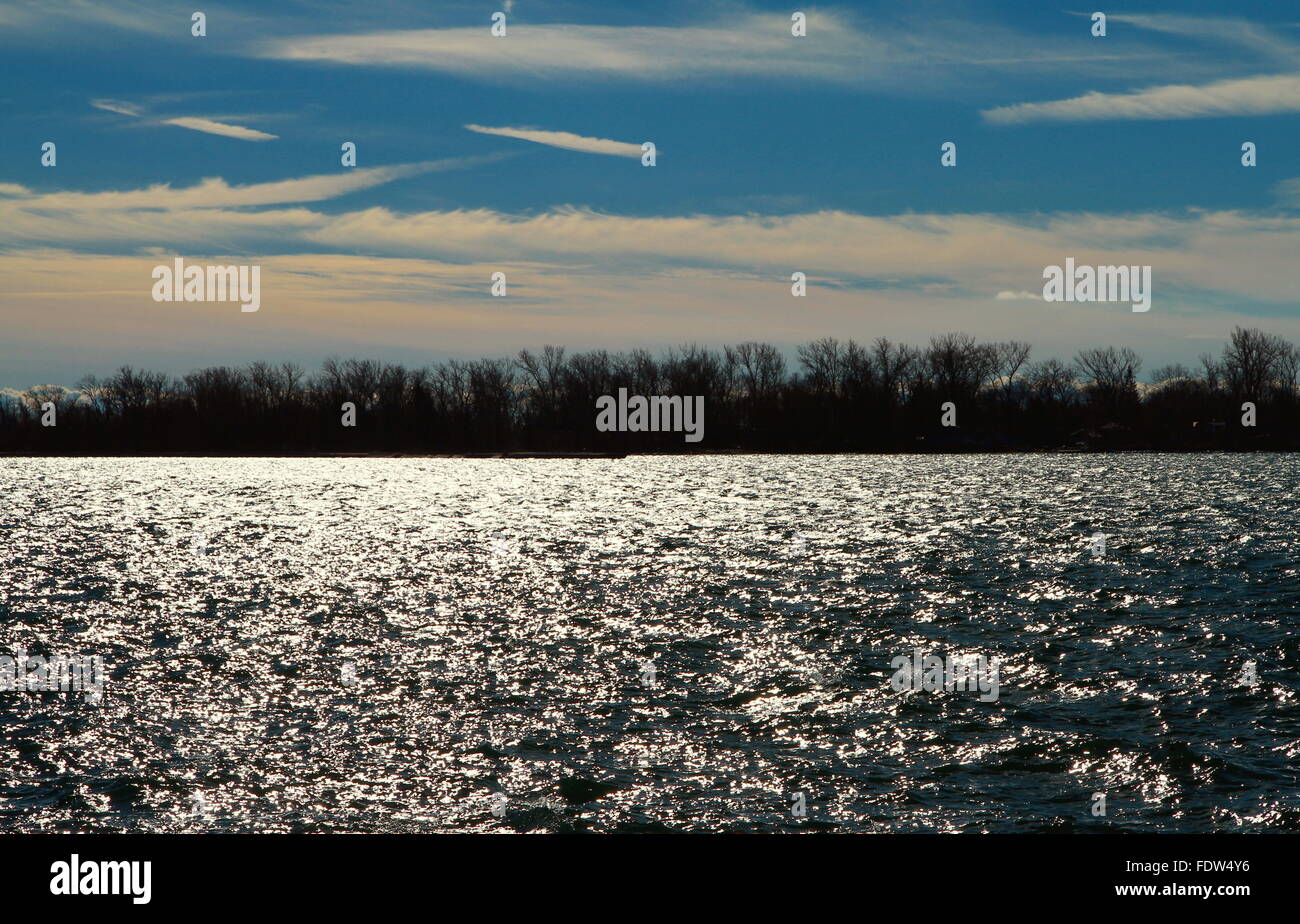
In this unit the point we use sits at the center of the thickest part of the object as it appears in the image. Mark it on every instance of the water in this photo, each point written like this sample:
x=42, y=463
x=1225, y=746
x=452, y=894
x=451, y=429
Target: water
x=498, y=618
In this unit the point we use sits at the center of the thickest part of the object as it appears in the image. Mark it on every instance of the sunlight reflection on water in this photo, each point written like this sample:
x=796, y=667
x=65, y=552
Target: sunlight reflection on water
x=498, y=617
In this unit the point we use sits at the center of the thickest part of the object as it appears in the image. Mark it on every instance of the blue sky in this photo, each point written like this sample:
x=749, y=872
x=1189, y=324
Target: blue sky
x=775, y=154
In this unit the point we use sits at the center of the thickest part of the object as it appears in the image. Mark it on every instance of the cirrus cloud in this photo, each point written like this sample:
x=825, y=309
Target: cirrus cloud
x=566, y=140
x=216, y=193
x=194, y=123
x=1248, y=96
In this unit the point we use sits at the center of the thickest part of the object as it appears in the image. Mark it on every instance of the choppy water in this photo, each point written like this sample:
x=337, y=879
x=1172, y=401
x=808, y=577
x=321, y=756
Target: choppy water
x=499, y=615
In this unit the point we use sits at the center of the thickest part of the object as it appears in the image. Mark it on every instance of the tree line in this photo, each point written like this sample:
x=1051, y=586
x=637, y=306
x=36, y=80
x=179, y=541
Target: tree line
x=837, y=396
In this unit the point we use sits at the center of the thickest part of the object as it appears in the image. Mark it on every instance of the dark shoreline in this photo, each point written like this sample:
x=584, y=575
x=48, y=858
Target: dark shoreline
x=953, y=395
x=525, y=456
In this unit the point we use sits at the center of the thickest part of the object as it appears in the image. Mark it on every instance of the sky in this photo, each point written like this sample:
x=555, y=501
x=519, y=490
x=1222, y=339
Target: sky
x=521, y=154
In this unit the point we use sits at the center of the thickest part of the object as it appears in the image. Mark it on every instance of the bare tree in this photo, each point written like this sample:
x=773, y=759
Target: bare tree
x=1051, y=382
x=823, y=363
x=1010, y=356
x=892, y=361
x=759, y=369
x=36, y=397
x=957, y=366
x=1170, y=373
x=1253, y=362
x=1111, y=376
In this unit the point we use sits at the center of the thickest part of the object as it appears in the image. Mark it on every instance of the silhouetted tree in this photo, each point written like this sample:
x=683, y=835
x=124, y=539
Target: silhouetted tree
x=844, y=397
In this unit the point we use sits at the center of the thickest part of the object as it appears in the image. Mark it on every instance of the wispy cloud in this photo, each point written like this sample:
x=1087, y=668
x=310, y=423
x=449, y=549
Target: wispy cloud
x=195, y=123
x=911, y=52
x=216, y=193
x=924, y=53
x=220, y=128
x=1254, y=37
x=748, y=44
x=566, y=140
x=112, y=105
x=1245, y=97
x=1242, y=46
x=943, y=256
x=914, y=52
x=591, y=278
x=114, y=18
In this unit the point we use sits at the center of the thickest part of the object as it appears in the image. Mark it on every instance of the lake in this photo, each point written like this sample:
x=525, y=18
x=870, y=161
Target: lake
x=702, y=643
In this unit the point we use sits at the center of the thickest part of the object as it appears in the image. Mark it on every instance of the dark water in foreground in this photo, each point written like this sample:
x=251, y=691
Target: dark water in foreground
x=498, y=617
